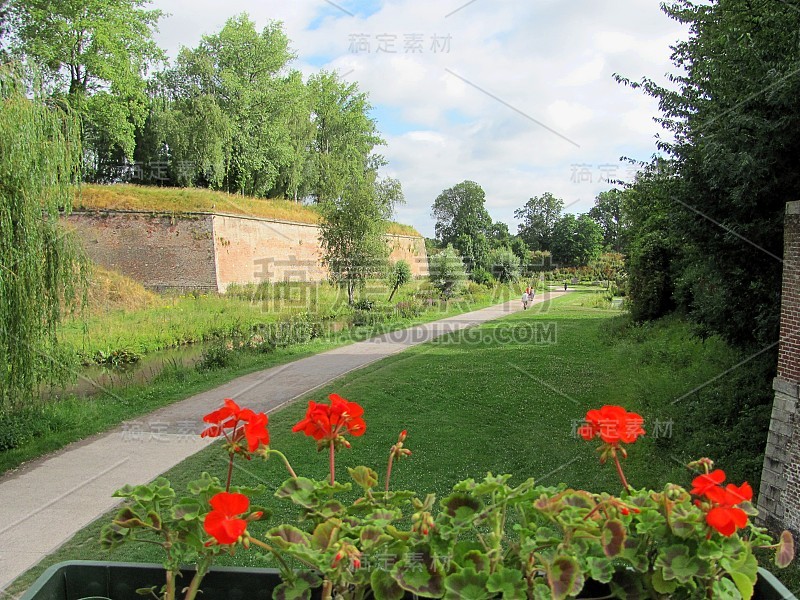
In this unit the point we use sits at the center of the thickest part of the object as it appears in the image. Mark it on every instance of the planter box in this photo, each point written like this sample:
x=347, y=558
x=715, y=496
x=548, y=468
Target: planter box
x=82, y=580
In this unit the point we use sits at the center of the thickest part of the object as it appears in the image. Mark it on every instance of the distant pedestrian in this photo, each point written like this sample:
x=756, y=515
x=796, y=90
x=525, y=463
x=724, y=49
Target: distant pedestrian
x=532, y=292
x=565, y=286
x=525, y=299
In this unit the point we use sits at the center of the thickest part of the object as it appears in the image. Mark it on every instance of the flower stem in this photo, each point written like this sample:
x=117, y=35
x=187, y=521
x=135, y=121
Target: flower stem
x=389, y=469
x=332, y=463
x=170, y=591
x=194, y=586
x=230, y=474
x=621, y=474
x=285, y=462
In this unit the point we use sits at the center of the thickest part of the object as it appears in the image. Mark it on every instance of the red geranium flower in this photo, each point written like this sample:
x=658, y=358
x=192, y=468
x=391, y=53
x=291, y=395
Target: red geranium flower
x=726, y=519
x=326, y=422
x=613, y=424
x=222, y=418
x=223, y=522
x=707, y=481
x=255, y=429
x=243, y=423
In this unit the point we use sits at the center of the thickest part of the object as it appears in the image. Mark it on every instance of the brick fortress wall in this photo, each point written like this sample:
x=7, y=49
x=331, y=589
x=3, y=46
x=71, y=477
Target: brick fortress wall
x=779, y=497
x=208, y=252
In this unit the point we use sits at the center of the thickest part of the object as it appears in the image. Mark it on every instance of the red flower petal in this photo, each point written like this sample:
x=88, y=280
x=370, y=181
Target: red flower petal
x=231, y=504
x=224, y=529
x=707, y=481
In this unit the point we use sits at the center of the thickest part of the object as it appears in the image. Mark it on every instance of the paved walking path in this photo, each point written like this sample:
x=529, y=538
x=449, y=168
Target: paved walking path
x=45, y=503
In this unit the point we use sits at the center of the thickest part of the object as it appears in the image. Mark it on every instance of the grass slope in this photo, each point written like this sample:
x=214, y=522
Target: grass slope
x=489, y=399
x=200, y=200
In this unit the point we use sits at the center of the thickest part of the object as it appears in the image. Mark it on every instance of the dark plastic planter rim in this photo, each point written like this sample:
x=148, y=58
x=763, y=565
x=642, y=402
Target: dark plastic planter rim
x=780, y=591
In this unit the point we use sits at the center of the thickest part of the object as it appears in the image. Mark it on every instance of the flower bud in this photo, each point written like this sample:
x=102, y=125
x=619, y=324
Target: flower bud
x=403, y=435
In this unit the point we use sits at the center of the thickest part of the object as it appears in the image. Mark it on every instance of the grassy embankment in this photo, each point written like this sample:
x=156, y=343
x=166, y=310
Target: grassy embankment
x=198, y=200
x=491, y=400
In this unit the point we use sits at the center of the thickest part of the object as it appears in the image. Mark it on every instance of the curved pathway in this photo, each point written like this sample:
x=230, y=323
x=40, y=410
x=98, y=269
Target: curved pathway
x=45, y=503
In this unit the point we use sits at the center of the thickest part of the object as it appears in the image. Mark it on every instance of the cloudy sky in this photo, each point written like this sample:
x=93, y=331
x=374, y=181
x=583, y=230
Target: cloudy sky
x=516, y=95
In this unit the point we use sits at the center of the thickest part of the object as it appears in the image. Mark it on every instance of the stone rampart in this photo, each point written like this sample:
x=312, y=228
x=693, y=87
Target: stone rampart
x=208, y=252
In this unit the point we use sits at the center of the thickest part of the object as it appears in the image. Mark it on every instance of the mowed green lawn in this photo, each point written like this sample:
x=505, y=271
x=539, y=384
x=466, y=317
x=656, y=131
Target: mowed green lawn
x=505, y=397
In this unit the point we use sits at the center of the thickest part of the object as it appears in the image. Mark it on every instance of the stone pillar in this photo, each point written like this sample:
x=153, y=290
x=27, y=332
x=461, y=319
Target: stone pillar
x=779, y=497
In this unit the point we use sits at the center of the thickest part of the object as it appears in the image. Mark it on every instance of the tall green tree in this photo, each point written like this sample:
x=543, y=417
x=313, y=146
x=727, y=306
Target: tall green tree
x=353, y=228
x=539, y=217
x=607, y=211
x=40, y=265
x=345, y=135
x=576, y=240
x=94, y=53
x=462, y=220
x=228, y=107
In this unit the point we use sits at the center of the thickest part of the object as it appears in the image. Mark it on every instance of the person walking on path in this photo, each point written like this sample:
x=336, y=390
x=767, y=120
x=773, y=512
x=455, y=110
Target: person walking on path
x=525, y=299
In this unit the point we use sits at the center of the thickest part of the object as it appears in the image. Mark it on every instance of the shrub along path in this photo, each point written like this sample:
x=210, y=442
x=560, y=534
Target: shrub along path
x=49, y=500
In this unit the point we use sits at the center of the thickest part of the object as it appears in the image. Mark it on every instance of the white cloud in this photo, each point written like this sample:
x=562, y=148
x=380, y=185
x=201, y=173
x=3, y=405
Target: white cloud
x=472, y=105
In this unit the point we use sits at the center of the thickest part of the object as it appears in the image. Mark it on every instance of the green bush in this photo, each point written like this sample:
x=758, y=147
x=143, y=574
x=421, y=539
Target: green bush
x=650, y=284
x=447, y=272
x=504, y=265
x=482, y=277
x=218, y=355
x=364, y=304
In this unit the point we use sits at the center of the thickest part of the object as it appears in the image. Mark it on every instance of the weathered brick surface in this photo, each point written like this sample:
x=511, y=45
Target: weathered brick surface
x=160, y=251
x=779, y=496
x=210, y=252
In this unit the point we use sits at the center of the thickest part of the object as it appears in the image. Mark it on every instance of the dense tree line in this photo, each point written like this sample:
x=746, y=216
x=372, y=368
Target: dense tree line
x=230, y=114
x=487, y=246
x=704, y=219
x=712, y=208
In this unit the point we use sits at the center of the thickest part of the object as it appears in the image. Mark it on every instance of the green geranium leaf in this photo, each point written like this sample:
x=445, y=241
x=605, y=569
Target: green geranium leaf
x=325, y=534
x=372, y=537
x=418, y=573
x=685, y=521
x=744, y=584
x=509, y=582
x=600, y=569
x=299, y=490
x=676, y=563
x=467, y=585
x=461, y=507
x=128, y=519
x=476, y=560
x=709, y=550
x=564, y=577
x=249, y=491
x=289, y=535
x=187, y=509
x=384, y=587
x=112, y=535
x=661, y=585
x=613, y=538
x=725, y=589
x=383, y=517
x=492, y=484
x=364, y=477
x=300, y=588
x=206, y=483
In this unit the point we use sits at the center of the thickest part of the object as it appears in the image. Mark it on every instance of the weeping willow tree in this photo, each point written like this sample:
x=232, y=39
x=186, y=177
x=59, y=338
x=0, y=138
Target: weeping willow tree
x=41, y=267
